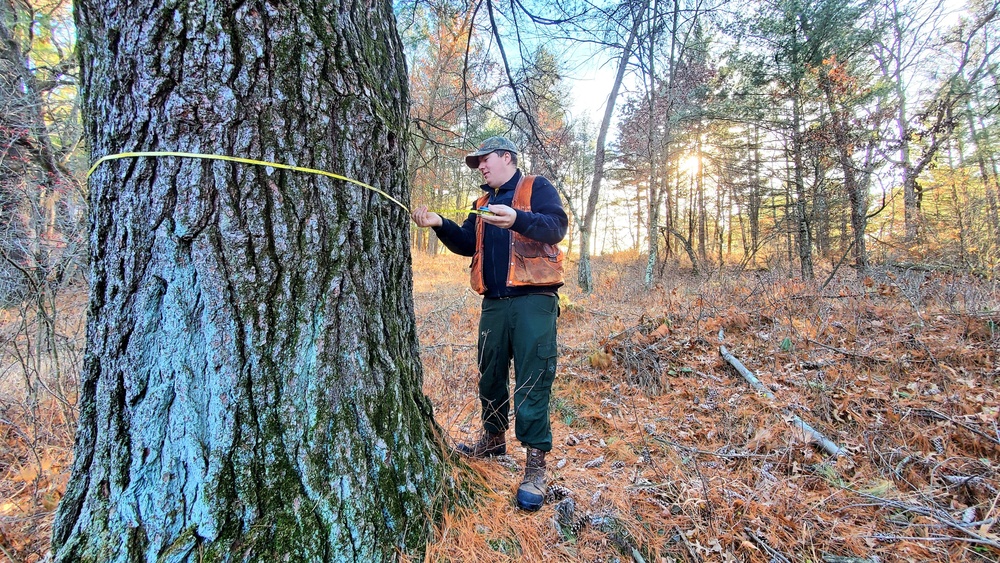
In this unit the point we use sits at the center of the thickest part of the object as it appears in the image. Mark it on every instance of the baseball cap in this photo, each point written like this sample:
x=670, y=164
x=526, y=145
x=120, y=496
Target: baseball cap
x=488, y=146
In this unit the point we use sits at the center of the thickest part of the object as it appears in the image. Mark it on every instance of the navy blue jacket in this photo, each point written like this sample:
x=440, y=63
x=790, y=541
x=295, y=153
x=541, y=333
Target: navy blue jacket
x=547, y=222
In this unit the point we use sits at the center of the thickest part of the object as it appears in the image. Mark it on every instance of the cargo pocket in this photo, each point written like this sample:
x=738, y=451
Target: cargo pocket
x=547, y=353
x=547, y=350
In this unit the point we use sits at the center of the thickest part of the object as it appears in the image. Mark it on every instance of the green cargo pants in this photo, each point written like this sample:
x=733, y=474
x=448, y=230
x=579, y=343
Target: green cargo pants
x=523, y=329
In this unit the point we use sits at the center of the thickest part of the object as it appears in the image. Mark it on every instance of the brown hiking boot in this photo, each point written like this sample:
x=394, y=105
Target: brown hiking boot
x=531, y=493
x=488, y=445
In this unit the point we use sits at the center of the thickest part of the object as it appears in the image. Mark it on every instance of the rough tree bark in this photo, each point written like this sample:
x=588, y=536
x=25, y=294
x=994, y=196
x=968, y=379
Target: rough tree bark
x=252, y=387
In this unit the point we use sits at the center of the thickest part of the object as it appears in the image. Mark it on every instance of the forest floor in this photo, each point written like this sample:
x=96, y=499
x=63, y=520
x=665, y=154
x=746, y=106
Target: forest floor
x=662, y=451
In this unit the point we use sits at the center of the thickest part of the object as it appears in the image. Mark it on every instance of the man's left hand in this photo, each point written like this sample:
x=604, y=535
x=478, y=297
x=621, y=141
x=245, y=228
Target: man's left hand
x=503, y=216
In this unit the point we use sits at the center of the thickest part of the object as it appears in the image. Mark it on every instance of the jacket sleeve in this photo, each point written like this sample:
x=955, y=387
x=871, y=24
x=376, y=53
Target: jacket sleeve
x=547, y=221
x=459, y=239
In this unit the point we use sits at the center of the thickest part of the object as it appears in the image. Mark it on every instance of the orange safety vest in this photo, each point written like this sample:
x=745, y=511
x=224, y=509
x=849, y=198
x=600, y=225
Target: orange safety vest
x=531, y=262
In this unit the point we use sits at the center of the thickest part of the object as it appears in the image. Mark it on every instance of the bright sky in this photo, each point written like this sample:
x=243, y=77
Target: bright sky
x=591, y=78
x=590, y=74
x=590, y=91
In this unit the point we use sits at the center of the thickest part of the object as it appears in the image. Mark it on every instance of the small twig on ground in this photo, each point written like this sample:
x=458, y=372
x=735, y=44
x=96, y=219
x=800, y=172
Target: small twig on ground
x=714, y=378
x=931, y=413
x=618, y=534
x=453, y=305
x=993, y=505
x=690, y=548
x=967, y=480
x=837, y=267
x=31, y=447
x=888, y=538
x=689, y=449
x=818, y=364
x=827, y=558
x=937, y=514
x=706, y=491
x=822, y=296
x=624, y=332
x=446, y=345
x=913, y=304
x=9, y=555
x=774, y=553
x=849, y=353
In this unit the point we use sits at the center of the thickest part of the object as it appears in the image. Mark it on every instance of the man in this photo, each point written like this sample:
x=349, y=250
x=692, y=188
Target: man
x=516, y=266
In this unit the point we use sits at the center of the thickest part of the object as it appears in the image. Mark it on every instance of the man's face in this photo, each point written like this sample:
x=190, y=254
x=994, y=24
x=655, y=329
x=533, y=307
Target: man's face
x=496, y=169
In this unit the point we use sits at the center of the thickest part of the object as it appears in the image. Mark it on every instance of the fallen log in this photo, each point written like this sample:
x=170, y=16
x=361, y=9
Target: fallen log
x=824, y=442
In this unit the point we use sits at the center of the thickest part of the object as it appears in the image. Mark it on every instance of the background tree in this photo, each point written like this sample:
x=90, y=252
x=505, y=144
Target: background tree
x=743, y=106
x=788, y=40
x=42, y=208
x=954, y=63
x=252, y=388
x=957, y=129
x=543, y=119
x=854, y=114
x=901, y=53
x=633, y=15
x=576, y=160
x=774, y=93
x=451, y=88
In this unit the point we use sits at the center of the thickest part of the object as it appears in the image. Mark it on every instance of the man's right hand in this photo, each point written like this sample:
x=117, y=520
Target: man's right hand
x=424, y=218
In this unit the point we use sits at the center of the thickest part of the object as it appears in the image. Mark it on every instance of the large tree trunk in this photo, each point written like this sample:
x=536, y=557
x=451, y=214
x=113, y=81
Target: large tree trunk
x=252, y=387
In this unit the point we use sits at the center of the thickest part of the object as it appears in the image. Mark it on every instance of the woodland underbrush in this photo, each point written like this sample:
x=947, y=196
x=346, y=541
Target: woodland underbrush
x=663, y=452
x=41, y=348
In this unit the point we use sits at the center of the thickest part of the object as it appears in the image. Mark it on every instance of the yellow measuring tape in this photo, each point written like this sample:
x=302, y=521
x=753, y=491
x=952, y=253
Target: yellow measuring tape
x=244, y=161
x=253, y=162
x=457, y=211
